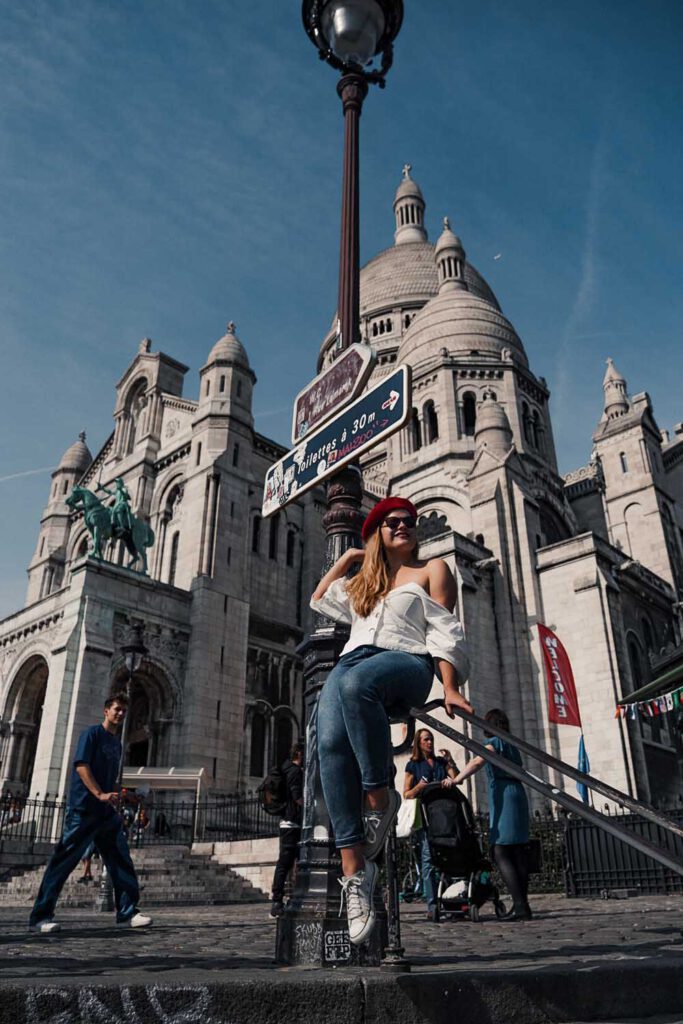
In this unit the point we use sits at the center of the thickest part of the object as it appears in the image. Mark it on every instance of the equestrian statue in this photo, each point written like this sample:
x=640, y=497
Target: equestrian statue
x=114, y=522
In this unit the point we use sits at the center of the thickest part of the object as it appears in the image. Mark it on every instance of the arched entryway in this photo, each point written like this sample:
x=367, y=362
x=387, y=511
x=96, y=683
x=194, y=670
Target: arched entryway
x=21, y=725
x=151, y=711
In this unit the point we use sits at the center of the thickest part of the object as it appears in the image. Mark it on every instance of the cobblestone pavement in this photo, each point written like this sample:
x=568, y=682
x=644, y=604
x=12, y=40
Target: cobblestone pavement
x=206, y=942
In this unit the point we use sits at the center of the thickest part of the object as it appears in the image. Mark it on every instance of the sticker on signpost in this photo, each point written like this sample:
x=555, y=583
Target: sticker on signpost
x=358, y=427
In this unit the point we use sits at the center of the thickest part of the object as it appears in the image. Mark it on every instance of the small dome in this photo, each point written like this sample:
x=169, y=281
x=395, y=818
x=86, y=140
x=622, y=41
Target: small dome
x=229, y=349
x=447, y=240
x=408, y=187
x=77, y=458
x=492, y=426
x=463, y=323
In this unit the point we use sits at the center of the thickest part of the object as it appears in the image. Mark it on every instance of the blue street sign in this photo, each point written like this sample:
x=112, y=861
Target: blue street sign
x=356, y=428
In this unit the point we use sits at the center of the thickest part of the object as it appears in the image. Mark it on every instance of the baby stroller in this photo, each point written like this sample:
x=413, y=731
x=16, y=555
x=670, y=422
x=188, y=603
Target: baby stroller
x=465, y=884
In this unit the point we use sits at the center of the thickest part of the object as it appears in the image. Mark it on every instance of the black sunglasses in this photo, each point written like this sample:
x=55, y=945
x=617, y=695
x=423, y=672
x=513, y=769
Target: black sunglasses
x=393, y=522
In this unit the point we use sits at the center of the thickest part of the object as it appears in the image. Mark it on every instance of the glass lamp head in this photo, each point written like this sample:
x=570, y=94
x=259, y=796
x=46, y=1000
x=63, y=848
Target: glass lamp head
x=352, y=29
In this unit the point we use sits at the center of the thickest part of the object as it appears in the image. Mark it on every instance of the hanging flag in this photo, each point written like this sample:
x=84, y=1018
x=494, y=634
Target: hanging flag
x=584, y=766
x=563, y=705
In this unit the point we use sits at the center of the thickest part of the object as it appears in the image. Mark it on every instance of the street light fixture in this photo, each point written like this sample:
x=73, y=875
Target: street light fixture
x=349, y=35
x=133, y=652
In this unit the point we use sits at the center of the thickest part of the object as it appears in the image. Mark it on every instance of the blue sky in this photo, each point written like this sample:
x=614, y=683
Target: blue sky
x=166, y=166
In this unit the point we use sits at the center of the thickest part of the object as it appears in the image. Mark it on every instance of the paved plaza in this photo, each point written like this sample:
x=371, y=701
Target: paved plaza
x=577, y=960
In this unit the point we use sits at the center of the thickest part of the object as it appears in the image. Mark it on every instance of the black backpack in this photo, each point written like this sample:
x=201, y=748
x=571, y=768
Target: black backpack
x=272, y=793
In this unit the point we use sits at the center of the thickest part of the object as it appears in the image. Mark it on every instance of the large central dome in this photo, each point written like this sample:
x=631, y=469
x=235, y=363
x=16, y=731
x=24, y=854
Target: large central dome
x=397, y=282
x=406, y=273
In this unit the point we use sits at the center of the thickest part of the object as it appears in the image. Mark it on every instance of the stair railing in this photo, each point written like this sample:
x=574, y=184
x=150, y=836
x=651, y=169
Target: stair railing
x=570, y=803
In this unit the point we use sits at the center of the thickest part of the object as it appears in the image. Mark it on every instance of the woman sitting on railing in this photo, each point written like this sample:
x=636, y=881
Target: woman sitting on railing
x=402, y=628
x=508, y=816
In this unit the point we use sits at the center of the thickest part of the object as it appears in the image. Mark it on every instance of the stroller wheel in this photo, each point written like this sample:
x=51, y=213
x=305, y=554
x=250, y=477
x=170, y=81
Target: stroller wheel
x=500, y=909
x=473, y=913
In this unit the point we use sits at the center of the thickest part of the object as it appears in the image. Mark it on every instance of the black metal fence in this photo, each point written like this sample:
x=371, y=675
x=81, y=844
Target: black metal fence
x=598, y=863
x=576, y=857
x=159, y=820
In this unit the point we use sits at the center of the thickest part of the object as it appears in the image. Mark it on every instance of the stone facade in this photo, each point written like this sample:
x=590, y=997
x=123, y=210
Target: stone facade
x=597, y=555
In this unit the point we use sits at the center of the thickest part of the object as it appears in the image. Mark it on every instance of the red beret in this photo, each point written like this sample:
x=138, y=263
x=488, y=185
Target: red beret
x=382, y=509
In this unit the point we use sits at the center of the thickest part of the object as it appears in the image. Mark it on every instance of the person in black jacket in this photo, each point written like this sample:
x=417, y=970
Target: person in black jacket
x=290, y=826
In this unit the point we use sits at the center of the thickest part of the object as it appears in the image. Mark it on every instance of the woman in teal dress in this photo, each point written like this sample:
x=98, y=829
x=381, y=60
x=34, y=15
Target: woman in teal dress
x=508, y=816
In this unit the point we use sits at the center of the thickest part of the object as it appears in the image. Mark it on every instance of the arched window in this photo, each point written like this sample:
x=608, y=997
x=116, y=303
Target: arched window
x=135, y=406
x=526, y=424
x=374, y=330
x=469, y=413
x=623, y=462
x=415, y=436
x=258, y=744
x=274, y=536
x=208, y=387
x=82, y=549
x=431, y=423
x=536, y=429
x=648, y=637
x=173, y=558
x=221, y=383
x=388, y=324
x=285, y=688
x=291, y=545
x=256, y=534
x=283, y=739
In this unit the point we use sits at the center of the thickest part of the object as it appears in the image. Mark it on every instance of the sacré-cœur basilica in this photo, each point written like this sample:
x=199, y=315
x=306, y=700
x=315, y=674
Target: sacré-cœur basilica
x=597, y=555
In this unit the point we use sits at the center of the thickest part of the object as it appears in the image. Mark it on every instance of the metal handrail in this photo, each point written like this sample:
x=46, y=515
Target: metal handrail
x=550, y=791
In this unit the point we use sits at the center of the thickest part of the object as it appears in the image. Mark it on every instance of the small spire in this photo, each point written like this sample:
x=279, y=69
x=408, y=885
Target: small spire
x=145, y=345
x=81, y=436
x=450, y=260
x=409, y=210
x=232, y=326
x=616, y=395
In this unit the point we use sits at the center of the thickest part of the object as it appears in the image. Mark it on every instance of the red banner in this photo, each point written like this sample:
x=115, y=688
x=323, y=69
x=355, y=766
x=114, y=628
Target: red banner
x=563, y=705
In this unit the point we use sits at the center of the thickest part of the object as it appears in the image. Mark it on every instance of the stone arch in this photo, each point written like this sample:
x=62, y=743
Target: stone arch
x=155, y=706
x=633, y=516
x=20, y=724
x=78, y=545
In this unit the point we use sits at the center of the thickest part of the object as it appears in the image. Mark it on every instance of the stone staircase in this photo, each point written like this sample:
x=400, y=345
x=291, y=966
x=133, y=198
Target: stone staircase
x=168, y=875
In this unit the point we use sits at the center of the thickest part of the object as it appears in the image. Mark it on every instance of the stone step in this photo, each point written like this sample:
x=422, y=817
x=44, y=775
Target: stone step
x=167, y=875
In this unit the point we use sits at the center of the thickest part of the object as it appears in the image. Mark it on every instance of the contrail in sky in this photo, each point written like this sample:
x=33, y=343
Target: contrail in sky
x=26, y=472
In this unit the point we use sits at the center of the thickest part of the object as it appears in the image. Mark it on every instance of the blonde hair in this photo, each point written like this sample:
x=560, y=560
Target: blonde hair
x=373, y=582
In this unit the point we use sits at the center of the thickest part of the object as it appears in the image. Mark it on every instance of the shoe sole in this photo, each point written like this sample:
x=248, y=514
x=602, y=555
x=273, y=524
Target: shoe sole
x=37, y=931
x=363, y=935
x=373, y=850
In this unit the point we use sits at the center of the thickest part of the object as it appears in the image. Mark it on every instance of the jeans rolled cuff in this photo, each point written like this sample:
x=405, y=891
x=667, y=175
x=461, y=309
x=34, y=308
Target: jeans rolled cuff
x=343, y=844
x=368, y=787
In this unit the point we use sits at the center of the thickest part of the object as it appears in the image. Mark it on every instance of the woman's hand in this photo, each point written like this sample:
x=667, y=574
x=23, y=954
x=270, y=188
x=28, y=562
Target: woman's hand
x=352, y=556
x=447, y=783
x=453, y=698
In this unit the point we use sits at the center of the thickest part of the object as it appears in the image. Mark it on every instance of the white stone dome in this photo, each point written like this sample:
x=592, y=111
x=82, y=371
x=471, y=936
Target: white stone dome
x=77, y=458
x=406, y=273
x=229, y=349
x=463, y=323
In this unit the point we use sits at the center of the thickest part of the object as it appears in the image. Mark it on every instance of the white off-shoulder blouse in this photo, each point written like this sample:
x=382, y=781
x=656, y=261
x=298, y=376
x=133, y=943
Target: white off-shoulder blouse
x=407, y=619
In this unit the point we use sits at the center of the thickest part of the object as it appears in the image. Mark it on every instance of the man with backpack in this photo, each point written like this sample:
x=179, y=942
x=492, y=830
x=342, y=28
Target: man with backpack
x=292, y=794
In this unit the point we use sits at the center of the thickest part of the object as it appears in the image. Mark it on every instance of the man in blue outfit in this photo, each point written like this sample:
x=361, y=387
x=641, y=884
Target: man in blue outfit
x=91, y=816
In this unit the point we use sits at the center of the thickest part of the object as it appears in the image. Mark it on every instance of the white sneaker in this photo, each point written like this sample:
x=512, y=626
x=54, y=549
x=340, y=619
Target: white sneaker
x=47, y=927
x=136, y=921
x=358, y=892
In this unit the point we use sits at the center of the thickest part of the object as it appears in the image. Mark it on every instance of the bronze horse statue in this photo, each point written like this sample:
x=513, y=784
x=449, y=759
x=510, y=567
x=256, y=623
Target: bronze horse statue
x=102, y=527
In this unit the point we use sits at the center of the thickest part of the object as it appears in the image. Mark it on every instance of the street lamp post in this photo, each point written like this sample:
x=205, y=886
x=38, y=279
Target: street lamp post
x=349, y=35
x=134, y=651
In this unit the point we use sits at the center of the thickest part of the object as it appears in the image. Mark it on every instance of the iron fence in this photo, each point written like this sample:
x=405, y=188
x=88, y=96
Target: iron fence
x=159, y=820
x=598, y=863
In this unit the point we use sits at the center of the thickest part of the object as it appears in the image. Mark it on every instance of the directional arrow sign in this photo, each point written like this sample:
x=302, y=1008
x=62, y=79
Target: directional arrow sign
x=327, y=392
x=359, y=426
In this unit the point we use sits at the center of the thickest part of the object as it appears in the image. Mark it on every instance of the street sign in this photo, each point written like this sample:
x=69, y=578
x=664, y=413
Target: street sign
x=356, y=428
x=327, y=392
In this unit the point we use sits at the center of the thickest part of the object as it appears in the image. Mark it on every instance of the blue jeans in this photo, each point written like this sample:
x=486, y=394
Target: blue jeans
x=430, y=876
x=365, y=687
x=80, y=829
